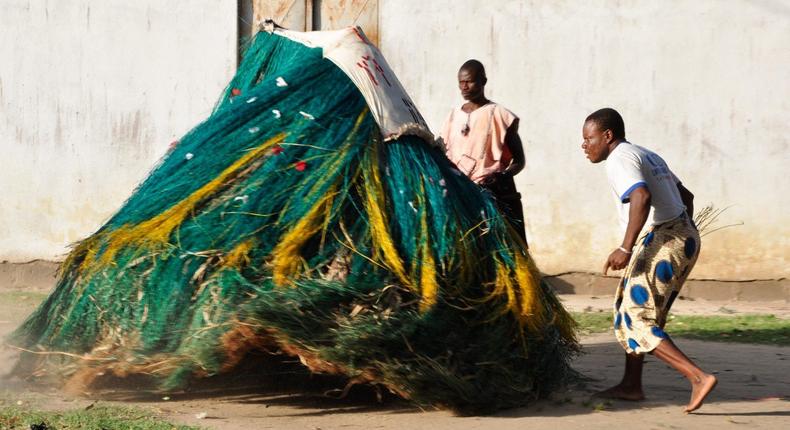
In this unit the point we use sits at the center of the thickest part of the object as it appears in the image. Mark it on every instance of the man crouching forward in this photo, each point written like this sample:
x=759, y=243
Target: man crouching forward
x=663, y=258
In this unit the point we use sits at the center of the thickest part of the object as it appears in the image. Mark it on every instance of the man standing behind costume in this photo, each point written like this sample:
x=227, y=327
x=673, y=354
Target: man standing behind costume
x=481, y=138
x=654, y=271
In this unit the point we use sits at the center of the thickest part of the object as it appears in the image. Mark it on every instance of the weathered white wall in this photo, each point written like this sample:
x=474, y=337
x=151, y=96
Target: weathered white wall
x=91, y=94
x=704, y=83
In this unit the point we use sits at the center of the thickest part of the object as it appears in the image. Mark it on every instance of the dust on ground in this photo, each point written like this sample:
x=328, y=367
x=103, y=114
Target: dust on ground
x=753, y=390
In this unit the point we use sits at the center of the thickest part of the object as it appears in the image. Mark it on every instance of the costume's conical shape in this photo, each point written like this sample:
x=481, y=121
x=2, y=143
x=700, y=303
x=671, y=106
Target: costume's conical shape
x=310, y=216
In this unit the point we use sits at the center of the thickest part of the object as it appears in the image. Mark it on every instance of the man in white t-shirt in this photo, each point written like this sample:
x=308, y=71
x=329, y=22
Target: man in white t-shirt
x=655, y=271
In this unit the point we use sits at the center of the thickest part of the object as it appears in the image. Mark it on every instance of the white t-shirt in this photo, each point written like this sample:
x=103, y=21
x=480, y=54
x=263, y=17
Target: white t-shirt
x=629, y=167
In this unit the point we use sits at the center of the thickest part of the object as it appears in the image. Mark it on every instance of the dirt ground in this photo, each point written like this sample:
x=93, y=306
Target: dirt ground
x=753, y=390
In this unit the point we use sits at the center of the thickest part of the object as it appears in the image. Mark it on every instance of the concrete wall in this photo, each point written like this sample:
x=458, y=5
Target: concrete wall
x=91, y=94
x=704, y=83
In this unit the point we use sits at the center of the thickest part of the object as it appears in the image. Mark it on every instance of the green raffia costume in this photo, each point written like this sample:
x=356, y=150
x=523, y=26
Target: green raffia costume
x=308, y=234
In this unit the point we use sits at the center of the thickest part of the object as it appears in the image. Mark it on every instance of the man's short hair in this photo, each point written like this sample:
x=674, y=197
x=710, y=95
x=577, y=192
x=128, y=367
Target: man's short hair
x=608, y=119
x=474, y=66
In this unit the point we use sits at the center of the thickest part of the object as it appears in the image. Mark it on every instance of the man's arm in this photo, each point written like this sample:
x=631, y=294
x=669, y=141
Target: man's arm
x=513, y=143
x=637, y=216
x=688, y=200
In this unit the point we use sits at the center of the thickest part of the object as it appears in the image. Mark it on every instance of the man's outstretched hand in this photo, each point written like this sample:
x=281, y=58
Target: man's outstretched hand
x=617, y=260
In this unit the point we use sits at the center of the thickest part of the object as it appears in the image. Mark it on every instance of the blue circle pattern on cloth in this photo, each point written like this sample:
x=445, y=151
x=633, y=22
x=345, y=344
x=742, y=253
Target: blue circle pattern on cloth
x=664, y=271
x=670, y=252
x=657, y=332
x=639, y=294
x=690, y=248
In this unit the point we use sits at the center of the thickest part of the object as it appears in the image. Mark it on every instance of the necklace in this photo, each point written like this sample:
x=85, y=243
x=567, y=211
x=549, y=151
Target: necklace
x=465, y=128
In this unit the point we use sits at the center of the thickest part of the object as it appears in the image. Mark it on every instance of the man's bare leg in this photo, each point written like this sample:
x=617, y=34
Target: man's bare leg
x=701, y=383
x=630, y=387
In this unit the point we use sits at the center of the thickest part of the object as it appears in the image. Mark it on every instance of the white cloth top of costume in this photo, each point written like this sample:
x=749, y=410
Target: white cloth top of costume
x=629, y=167
x=363, y=63
x=482, y=151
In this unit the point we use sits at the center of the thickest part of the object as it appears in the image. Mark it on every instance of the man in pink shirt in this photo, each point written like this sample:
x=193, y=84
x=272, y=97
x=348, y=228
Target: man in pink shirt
x=481, y=138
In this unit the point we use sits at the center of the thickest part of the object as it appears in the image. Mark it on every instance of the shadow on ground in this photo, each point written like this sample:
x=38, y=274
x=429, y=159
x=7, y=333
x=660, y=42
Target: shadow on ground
x=747, y=373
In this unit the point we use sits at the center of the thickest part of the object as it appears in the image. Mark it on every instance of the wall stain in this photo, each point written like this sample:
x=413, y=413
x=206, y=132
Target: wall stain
x=131, y=136
x=710, y=150
x=58, y=137
x=126, y=129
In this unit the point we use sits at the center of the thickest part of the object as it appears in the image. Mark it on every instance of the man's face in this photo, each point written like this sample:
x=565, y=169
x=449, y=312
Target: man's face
x=470, y=84
x=596, y=142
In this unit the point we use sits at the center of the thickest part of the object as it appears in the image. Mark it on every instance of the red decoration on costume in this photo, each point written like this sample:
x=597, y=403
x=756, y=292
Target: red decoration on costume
x=277, y=149
x=300, y=166
x=234, y=92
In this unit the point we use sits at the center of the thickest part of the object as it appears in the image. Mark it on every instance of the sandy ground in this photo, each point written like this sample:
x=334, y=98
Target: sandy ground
x=753, y=390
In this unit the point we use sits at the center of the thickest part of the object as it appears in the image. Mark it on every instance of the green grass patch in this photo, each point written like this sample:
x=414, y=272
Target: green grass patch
x=98, y=418
x=765, y=329
x=593, y=322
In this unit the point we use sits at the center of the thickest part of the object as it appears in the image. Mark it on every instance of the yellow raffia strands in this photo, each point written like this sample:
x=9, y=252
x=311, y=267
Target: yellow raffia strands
x=337, y=161
x=286, y=259
x=156, y=231
x=529, y=288
x=463, y=263
x=86, y=249
x=504, y=285
x=429, y=287
x=239, y=256
x=383, y=245
x=521, y=286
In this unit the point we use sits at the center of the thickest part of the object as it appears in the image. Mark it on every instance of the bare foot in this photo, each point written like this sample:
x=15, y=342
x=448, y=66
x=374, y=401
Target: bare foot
x=699, y=390
x=621, y=392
